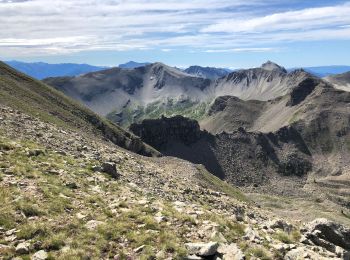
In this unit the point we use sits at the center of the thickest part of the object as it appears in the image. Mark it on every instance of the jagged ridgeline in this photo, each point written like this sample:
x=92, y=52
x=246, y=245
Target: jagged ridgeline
x=131, y=95
x=33, y=97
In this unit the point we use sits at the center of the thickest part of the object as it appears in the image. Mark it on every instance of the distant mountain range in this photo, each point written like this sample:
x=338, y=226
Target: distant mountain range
x=341, y=81
x=324, y=71
x=41, y=70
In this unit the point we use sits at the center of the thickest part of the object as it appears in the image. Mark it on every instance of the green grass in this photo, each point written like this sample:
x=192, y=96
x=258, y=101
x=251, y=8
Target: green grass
x=283, y=237
x=232, y=231
x=135, y=114
x=259, y=252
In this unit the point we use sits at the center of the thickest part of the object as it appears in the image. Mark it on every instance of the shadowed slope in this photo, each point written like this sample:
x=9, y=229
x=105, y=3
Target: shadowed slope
x=33, y=97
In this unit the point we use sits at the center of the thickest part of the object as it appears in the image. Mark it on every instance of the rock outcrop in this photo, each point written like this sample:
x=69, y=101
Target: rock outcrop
x=327, y=234
x=161, y=131
x=241, y=157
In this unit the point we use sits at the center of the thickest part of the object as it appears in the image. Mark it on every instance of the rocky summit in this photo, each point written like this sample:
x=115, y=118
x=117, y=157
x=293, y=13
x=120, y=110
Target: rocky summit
x=73, y=185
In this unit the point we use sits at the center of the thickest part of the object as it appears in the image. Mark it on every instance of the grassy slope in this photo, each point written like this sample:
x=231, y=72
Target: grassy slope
x=35, y=98
x=190, y=109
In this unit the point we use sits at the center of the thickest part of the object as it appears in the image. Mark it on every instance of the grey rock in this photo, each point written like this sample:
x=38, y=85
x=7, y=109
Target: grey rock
x=97, y=168
x=251, y=235
x=231, y=252
x=281, y=224
x=218, y=236
x=303, y=253
x=23, y=248
x=40, y=255
x=239, y=213
x=111, y=169
x=139, y=249
x=193, y=257
x=202, y=249
x=35, y=152
x=328, y=234
x=93, y=224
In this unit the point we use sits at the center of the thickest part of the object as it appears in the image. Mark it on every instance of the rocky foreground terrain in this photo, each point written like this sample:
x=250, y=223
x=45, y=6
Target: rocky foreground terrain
x=66, y=194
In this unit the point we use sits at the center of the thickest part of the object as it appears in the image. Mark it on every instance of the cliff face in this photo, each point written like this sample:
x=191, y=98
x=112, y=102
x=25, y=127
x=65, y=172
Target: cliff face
x=158, y=132
x=241, y=158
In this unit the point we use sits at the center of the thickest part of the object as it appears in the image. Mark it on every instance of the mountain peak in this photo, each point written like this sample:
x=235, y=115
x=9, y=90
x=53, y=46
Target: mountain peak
x=269, y=65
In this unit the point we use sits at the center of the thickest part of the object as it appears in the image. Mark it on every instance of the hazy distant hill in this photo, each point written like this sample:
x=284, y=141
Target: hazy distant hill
x=323, y=71
x=341, y=81
x=133, y=65
x=41, y=70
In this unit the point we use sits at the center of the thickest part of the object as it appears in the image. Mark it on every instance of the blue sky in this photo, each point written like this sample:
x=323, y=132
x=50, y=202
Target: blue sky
x=223, y=33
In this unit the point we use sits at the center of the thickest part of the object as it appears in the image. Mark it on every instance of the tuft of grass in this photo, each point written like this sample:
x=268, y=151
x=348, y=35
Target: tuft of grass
x=286, y=238
x=8, y=218
x=258, y=252
x=29, y=208
x=55, y=241
x=231, y=230
x=33, y=230
x=283, y=237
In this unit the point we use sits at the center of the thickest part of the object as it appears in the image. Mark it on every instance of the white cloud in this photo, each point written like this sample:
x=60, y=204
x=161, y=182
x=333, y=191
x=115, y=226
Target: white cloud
x=292, y=20
x=241, y=50
x=32, y=27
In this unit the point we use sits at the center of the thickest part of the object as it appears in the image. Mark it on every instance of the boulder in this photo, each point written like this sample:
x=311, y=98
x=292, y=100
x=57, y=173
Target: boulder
x=230, y=252
x=111, y=169
x=303, y=253
x=93, y=224
x=328, y=234
x=281, y=224
x=35, y=152
x=40, y=255
x=239, y=213
x=23, y=248
x=218, y=236
x=202, y=249
x=251, y=234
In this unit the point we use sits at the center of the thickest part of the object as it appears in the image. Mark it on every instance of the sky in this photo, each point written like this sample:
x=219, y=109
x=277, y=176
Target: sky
x=221, y=33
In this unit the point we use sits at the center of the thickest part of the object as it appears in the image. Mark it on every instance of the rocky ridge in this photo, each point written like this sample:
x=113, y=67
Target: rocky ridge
x=341, y=81
x=207, y=72
x=130, y=95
